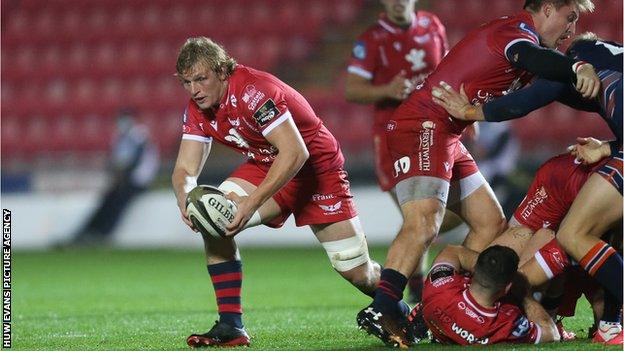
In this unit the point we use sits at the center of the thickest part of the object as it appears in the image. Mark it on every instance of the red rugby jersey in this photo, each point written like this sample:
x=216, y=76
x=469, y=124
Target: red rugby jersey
x=255, y=103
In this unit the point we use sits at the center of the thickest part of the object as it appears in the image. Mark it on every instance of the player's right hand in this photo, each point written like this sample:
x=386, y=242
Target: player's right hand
x=589, y=150
x=399, y=87
x=184, y=216
x=587, y=81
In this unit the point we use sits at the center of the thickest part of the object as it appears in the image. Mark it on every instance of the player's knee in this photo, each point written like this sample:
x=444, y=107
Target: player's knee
x=492, y=223
x=421, y=234
x=422, y=225
x=347, y=254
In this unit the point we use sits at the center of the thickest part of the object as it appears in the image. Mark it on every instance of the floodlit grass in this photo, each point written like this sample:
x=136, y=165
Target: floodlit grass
x=151, y=300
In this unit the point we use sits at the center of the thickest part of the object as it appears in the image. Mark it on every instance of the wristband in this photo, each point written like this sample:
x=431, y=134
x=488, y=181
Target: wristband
x=577, y=65
x=470, y=112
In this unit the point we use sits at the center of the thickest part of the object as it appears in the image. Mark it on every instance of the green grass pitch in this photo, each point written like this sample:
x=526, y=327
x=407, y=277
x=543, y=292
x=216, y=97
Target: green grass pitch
x=151, y=300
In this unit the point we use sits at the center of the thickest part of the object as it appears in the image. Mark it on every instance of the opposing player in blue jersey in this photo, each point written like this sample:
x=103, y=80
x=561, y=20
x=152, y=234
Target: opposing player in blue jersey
x=604, y=56
x=599, y=203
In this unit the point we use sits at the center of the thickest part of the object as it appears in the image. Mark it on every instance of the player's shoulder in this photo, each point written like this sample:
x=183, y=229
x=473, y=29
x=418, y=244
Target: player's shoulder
x=443, y=274
x=251, y=87
x=375, y=32
x=427, y=19
x=521, y=23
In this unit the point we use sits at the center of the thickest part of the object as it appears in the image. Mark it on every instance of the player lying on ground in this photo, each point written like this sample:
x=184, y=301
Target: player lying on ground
x=475, y=309
x=429, y=160
x=294, y=166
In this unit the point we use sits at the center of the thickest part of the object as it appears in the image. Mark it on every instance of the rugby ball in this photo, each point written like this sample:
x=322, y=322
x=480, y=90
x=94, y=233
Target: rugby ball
x=209, y=210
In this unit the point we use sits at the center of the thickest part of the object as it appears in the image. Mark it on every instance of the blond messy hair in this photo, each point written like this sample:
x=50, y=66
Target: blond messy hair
x=206, y=52
x=536, y=5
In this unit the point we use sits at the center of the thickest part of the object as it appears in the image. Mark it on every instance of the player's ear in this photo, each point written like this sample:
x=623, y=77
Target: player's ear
x=507, y=288
x=547, y=8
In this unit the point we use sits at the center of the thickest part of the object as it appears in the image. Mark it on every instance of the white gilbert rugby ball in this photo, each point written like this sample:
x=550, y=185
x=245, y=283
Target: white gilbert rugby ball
x=209, y=210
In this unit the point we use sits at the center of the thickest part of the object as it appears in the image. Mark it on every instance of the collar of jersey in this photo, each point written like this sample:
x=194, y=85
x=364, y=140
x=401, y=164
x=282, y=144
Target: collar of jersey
x=485, y=311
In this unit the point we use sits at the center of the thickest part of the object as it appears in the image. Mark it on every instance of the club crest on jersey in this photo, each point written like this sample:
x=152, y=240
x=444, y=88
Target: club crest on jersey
x=359, y=50
x=417, y=58
x=266, y=112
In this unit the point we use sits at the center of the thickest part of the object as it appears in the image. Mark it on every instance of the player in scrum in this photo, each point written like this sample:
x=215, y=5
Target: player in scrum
x=580, y=232
x=435, y=170
x=294, y=166
x=531, y=234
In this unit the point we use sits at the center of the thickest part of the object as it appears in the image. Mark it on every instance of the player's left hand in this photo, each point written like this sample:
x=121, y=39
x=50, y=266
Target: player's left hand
x=589, y=150
x=587, y=81
x=245, y=208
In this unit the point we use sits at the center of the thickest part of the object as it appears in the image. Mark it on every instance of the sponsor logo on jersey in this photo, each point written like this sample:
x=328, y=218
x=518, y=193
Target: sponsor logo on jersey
x=391, y=125
x=441, y=271
x=332, y=209
x=442, y=281
x=402, y=165
x=424, y=148
x=266, y=112
x=186, y=129
x=468, y=336
x=249, y=91
x=447, y=166
x=359, y=50
x=321, y=197
x=470, y=312
x=482, y=97
x=539, y=197
x=397, y=46
x=233, y=100
x=255, y=100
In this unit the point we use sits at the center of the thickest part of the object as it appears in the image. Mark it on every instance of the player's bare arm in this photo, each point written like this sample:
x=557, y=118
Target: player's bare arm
x=292, y=154
x=456, y=103
x=590, y=150
x=538, y=315
x=361, y=90
x=191, y=158
x=458, y=256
